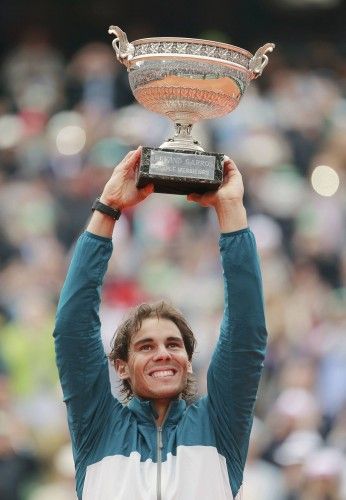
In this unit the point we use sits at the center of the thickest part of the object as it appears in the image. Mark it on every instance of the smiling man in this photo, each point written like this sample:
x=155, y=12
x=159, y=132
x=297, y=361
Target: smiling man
x=155, y=363
x=159, y=445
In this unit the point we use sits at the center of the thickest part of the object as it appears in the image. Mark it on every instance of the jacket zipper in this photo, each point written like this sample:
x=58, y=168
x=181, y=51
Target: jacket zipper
x=159, y=446
x=159, y=462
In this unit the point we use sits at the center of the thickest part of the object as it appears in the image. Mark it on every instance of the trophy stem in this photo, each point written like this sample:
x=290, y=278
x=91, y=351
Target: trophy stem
x=182, y=139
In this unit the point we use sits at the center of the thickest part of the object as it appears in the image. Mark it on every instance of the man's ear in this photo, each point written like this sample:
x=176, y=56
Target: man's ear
x=189, y=367
x=122, y=369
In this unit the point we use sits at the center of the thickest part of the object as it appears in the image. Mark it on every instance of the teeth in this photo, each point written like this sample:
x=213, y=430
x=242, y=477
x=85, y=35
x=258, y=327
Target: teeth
x=163, y=373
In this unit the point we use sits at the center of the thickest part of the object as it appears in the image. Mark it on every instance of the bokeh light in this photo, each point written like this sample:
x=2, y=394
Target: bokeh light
x=325, y=180
x=71, y=140
x=67, y=132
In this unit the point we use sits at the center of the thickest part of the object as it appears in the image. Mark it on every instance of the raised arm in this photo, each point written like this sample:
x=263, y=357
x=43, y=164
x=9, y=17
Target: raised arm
x=236, y=365
x=81, y=360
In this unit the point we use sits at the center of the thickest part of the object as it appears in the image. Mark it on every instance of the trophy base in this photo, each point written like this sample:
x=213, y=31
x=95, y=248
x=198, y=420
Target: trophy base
x=180, y=171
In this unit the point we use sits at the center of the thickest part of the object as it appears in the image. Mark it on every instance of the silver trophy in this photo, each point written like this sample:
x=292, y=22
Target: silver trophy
x=187, y=80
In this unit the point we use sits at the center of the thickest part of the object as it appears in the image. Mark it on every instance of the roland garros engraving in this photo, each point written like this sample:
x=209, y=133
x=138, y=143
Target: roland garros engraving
x=182, y=165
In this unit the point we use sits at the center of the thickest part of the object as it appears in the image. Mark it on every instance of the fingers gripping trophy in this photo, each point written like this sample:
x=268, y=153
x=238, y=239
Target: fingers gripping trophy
x=187, y=80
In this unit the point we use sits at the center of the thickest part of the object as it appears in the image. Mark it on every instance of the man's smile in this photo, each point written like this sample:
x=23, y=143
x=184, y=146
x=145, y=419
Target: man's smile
x=161, y=373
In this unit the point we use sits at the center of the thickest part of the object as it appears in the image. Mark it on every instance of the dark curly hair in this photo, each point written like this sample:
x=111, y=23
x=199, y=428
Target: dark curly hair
x=132, y=324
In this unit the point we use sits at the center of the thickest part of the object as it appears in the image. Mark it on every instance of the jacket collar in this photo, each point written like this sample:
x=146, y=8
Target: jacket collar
x=145, y=412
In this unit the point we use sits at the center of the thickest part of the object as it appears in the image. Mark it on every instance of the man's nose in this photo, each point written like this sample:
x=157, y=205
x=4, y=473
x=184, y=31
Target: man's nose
x=162, y=353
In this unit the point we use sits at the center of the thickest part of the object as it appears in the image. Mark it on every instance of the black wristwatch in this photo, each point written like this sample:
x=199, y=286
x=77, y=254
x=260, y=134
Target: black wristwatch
x=106, y=209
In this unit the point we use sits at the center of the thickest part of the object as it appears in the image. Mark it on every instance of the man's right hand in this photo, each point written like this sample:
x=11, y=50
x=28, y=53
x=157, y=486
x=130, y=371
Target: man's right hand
x=121, y=191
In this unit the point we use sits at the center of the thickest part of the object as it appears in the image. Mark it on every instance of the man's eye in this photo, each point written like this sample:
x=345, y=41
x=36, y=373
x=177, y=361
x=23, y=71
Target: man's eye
x=145, y=348
x=173, y=345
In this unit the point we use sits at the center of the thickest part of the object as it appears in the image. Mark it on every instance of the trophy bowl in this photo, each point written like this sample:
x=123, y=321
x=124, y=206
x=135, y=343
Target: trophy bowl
x=187, y=80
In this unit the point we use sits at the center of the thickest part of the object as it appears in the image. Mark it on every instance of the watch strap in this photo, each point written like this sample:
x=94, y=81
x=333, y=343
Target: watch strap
x=106, y=209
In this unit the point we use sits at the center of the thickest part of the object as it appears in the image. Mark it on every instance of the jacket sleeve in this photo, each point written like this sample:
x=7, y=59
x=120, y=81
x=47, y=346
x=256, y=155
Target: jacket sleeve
x=81, y=361
x=237, y=361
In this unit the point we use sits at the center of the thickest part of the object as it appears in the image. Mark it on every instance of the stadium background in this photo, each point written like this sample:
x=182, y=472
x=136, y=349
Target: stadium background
x=67, y=116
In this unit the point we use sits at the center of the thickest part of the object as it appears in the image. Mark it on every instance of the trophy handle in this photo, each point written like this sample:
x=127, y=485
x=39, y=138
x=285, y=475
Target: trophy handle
x=260, y=60
x=123, y=49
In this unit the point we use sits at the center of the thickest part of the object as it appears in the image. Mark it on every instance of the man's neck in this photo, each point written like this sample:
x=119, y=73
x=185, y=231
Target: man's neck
x=161, y=407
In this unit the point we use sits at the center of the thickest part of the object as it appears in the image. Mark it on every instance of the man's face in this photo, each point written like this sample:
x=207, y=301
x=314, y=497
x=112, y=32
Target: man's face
x=158, y=363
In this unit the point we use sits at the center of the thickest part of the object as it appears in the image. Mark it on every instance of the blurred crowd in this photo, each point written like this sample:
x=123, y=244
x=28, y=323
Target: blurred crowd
x=64, y=124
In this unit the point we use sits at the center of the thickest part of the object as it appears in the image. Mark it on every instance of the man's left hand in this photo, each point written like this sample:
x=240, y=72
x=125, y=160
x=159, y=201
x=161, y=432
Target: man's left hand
x=227, y=200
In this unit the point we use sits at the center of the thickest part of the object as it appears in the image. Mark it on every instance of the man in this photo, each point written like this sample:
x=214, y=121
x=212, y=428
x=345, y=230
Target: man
x=157, y=446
